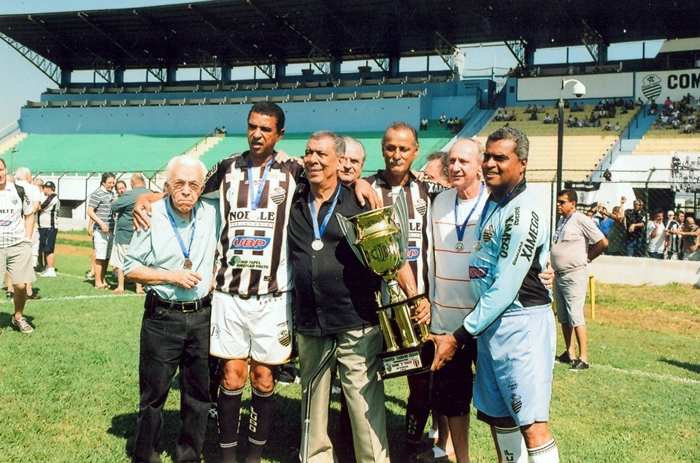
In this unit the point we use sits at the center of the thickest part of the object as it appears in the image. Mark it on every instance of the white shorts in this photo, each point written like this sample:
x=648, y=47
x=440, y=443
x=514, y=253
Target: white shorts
x=102, y=243
x=256, y=328
x=118, y=254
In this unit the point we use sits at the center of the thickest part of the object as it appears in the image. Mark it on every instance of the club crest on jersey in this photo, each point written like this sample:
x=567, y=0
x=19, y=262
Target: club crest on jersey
x=488, y=233
x=478, y=272
x=256, y=243
x=421, y=206
x=278, y=194
x=284, y=338
x=412, y=253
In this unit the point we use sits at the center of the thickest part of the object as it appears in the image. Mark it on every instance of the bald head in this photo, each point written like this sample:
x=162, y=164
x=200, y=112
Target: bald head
x=137, y=180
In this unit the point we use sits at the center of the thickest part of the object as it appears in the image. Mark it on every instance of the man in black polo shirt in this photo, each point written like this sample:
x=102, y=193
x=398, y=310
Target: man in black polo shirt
x=335, y=298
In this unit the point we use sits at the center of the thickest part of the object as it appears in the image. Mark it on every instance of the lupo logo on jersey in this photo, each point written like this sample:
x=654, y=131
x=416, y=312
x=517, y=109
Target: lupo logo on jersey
x=412, y=253
x=256, y=243
x=5, y=223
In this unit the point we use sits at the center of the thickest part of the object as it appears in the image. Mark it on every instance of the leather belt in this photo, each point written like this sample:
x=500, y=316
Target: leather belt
x=184, y=306
x=245, y=297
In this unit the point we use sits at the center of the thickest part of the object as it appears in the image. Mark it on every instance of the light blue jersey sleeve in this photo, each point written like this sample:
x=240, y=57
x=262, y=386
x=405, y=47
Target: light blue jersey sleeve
x=513, y=250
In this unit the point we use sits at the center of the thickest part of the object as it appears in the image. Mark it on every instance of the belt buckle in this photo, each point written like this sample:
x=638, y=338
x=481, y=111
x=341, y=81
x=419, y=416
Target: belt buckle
x=185, y=305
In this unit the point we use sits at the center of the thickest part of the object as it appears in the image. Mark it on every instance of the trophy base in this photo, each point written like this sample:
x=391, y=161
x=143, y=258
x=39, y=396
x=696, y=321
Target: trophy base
x=410, y=361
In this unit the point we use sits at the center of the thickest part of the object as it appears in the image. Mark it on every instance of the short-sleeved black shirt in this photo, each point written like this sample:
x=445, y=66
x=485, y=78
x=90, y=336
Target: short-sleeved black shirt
x=633, y=216
x=334, y=291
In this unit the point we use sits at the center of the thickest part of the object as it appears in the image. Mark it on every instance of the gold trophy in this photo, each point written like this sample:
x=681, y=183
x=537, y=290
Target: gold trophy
x=379, y=238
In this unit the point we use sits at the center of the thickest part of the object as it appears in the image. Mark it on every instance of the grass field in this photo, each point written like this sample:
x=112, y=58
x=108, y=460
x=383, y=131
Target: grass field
x=69, y=391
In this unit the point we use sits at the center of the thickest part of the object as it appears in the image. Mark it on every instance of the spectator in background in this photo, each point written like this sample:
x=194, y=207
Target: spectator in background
x=123, y=209
x=23, y=178
x=616, y=127
x=350, y=166
x=635, y=229
x=17, y=216
x=617, y=235
x=608, y=127
x=39, y=183
x=547, y=119
x=120, y=187
x=100, y=211
x=604, y=222
x=674, y=243
x=576, y=242
x=689, y=232
x=48, y=229
x=450, y=123
x=656, y=236
x=533, y=116
x=436, y=169
x=607, y=175
x=442, y=120
x=424, y=123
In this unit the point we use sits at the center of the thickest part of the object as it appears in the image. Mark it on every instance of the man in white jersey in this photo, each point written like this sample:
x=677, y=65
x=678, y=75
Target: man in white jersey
x=400, y=148
x=23, y=178
x=16, y=228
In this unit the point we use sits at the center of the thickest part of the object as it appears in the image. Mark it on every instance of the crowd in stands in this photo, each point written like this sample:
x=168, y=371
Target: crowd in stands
x=678, y=115
x=453, y=124
x=635, y=233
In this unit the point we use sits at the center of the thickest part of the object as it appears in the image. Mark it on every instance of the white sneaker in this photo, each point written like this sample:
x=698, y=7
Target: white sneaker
x=48, y=272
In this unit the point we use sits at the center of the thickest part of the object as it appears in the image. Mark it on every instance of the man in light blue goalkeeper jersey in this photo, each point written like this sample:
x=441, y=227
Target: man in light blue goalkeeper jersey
x=513, y=319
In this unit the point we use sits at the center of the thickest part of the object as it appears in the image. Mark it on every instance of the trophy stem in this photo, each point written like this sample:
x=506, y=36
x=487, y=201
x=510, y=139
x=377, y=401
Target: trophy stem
x=387, y=332
x=402, y=314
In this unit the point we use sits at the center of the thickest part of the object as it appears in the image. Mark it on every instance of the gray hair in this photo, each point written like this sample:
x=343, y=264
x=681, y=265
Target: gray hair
x=522, y=144
x=185, y=161
x=349, y=140
x=401, y=126
x=22, y=173
x=338, y=141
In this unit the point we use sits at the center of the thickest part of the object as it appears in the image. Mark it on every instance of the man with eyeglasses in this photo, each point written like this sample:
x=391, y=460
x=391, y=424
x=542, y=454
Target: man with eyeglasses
x=577, y=241
x=174, y=260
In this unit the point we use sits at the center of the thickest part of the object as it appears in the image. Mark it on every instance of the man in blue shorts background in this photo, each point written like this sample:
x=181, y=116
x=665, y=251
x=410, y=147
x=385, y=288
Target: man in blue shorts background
x=513, y=319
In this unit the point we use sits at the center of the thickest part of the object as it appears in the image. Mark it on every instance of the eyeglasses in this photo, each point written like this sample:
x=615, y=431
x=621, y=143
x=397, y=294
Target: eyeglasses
x=179, y=185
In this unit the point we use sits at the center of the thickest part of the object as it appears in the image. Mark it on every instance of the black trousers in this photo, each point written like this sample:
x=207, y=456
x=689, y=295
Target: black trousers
x=172, y=339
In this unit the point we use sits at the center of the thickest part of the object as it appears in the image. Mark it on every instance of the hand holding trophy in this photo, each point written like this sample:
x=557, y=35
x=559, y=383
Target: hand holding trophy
x=379, y=238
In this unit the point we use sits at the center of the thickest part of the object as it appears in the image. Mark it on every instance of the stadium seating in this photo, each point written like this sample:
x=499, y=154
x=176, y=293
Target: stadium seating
x=666, y=141
x=583, y=147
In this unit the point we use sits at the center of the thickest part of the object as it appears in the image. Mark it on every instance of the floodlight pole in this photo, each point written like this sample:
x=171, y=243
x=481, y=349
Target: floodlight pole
x=560, y=132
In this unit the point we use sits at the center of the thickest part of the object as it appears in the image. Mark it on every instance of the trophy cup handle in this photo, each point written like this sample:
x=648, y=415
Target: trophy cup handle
x=348, y=230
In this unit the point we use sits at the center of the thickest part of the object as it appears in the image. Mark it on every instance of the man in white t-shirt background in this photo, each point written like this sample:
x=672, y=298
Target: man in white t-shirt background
x=656, y=236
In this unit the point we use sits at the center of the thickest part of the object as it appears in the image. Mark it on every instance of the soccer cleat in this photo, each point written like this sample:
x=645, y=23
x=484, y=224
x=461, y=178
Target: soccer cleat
x=22, y=325
x=579, y=365
x=563, y=358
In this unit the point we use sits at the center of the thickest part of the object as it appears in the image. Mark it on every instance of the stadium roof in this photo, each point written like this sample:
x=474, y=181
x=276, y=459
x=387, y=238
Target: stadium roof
x=255, y=32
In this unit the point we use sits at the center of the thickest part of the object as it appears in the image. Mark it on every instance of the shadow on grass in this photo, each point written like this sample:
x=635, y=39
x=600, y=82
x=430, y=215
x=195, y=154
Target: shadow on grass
x=282, y=445
x=6, y=319
x=695, y=368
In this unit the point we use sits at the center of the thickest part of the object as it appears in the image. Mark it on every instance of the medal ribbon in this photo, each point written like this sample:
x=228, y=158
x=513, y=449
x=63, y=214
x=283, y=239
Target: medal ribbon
x=560, y=228
x=185, y=252
x=484, y=218
x=255, y=196
x=318, y=233
x=461, y=229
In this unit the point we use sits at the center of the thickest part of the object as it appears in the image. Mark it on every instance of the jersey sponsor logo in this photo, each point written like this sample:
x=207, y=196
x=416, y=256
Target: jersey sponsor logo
x=531, y=241
x=255, y=243
x=478, y=272
x=412, y=253
x=237, y=262
x=215, y=331
x=5, y=223
x=421, y=206
x=246, y=218
x=505, y=241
